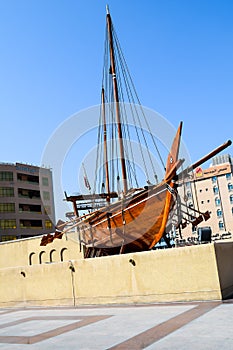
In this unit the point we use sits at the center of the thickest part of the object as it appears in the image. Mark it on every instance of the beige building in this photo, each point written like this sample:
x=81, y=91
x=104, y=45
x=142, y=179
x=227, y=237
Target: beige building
x=26, y=201
x=210, y=190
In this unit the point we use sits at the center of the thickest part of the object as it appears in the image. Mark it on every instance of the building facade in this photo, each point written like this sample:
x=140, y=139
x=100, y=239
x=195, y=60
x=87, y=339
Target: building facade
x=26, y=201
x=211, y=190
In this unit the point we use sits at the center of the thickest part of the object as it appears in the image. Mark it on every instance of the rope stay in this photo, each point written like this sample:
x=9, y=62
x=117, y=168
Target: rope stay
x=132, y=133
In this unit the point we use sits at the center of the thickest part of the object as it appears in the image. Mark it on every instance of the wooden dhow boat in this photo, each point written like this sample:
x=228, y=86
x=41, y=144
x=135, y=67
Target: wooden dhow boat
x=129, y=218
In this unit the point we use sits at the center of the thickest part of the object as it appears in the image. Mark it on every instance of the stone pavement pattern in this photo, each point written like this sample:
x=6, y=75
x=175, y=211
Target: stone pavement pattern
x=199, y=325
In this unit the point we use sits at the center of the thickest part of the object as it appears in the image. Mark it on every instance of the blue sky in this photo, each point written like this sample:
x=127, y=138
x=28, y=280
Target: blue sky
x=180, y=54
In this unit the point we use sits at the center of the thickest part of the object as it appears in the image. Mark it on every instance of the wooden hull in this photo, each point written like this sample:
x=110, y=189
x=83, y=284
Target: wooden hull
x=132, y=224
x=136, y=222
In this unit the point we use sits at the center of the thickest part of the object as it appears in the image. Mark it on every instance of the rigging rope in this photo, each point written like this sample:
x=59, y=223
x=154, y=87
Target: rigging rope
x=136, y=95
x=126, y=93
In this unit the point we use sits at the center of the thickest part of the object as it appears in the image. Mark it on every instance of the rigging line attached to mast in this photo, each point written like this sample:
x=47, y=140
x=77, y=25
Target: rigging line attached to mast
x=105, y=146
x=116, y=100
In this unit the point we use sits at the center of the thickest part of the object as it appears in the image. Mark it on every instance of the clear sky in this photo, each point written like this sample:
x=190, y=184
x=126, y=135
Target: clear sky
x=180, y=54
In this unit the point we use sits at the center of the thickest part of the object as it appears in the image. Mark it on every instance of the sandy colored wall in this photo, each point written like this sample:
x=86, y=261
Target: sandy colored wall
x=29, y=252
x=47, y=284
x=158, y=276
x=224, y=255
x=183, y=274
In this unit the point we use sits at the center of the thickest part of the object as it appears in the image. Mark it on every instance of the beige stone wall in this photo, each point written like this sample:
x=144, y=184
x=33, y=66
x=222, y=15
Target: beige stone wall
x=224, y=255
x=188, y=273
x=46, y=284
x=182, y=274
x=29, y=252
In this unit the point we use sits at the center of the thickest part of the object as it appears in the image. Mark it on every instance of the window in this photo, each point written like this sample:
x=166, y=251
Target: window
x=221, y=225
x=230, y=187
x=215, y=189
x=30, y=208
x=202, y=202
x=194, y=229
x=231, y=198
x=232, y=210
x=63, y=253
x=189, y=194
x=207, y=189
x=45, y=181
x=8, y=238
x=22, y=192
x=200, y=190
x=188, y=184
x=214, y=178
x=218, y=202
x=5, y=224
x=33, y=179
x=33, y=224
x=46, y=195
x=228, y=176
x=6, y=176
x=6, y=192
x=219, y=212
x=48, y=224
x=7, y=207
x=30, y=257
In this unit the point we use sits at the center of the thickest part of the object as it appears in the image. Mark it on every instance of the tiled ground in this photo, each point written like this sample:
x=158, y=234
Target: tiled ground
x=204, y=325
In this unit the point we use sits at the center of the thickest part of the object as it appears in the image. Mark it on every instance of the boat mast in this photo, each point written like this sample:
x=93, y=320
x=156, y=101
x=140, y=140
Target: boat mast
x=116, y=100
x=105, y=146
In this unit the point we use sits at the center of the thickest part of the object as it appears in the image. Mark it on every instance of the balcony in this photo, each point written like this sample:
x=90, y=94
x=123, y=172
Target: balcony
x=31, y=179
x=31, y=224
x=30, y=194
x=30, y=208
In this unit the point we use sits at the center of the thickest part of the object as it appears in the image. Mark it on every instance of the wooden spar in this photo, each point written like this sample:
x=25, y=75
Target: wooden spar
x=207, y=157
x=174, y=151
x=116, y=100
x=105, y=146
x=82, y=197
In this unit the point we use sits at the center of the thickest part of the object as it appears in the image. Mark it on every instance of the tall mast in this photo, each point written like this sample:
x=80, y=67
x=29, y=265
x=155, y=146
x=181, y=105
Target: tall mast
x=116, y=100
x=105, y=146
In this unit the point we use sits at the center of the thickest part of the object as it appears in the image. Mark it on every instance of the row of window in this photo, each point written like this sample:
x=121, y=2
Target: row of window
x=35, y=224
x=219, y=212
x=8, y=176
x=5, y=224
x=9, y=192
x=216, y=189
x=5, y=238
x=228, y=177
x=7, y=207
x=31, y=208
x=217, y=201
x=54, y=256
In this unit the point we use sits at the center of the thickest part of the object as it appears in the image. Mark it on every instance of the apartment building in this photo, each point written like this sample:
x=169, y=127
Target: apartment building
x=26, y=201
x=210, y=189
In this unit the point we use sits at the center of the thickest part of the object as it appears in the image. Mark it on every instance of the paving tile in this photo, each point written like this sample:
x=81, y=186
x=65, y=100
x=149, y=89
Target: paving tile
x=200, y=325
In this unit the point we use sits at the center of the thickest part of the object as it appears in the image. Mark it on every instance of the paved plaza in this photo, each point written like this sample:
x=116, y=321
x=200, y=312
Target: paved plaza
x=196, y=325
